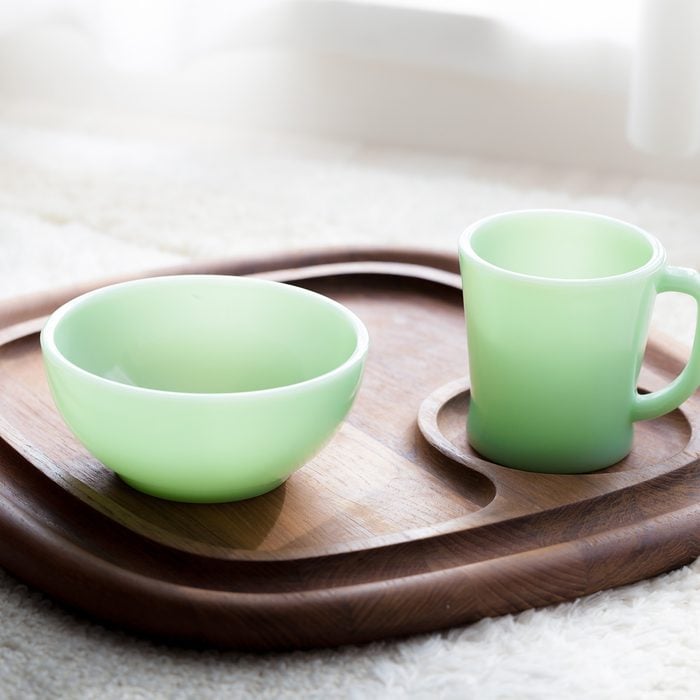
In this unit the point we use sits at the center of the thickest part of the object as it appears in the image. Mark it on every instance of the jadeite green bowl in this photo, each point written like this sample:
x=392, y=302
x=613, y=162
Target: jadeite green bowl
x=203, y=388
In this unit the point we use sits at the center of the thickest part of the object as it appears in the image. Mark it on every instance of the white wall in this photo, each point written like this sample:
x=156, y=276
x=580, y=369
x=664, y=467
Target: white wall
x=399, y=76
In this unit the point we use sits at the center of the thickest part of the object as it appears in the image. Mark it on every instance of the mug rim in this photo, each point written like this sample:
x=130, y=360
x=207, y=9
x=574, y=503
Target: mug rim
x=50, y=349
x=655, y=261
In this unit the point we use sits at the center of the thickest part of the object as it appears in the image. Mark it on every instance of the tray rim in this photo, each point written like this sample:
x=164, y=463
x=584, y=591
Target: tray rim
x=35, y=541
x=38, y=560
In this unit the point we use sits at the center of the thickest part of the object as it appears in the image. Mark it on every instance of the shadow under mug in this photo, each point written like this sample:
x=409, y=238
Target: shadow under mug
x=557, y=307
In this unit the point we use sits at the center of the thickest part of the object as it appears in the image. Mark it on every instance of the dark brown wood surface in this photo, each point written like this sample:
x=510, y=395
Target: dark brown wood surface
x=388, y=531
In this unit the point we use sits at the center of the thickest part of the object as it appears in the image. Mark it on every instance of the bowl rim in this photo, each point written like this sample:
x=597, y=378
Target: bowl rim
x=52, y=353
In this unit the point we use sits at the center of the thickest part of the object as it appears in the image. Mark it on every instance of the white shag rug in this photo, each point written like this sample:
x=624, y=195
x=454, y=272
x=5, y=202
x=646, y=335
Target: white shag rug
x=85, y=205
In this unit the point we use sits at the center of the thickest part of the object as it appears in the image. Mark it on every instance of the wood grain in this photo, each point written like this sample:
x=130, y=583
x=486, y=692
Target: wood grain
x=384, y=533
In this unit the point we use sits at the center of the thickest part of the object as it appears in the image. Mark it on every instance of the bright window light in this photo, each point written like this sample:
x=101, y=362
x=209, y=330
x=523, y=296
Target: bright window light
x=554, y=20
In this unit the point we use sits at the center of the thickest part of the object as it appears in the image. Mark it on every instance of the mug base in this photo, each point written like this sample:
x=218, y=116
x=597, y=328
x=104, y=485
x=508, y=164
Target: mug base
x=548, y=463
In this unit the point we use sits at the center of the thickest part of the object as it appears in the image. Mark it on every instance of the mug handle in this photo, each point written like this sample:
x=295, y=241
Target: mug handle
x=674, y=279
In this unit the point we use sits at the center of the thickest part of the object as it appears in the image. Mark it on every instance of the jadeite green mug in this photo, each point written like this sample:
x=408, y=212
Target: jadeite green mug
x=557, y=309
x=203, y=388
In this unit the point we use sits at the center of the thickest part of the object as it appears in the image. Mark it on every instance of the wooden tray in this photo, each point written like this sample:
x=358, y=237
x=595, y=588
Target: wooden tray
x=388, y=531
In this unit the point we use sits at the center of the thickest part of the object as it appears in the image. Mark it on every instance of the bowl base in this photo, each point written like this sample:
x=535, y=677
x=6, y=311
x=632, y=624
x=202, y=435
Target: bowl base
x=203, y=497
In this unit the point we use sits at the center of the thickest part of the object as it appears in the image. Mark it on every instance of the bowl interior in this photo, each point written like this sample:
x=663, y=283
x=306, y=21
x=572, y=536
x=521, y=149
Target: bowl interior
x=206, y=334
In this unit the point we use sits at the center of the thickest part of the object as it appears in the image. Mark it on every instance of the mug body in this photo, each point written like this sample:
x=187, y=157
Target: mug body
x=557, y=308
